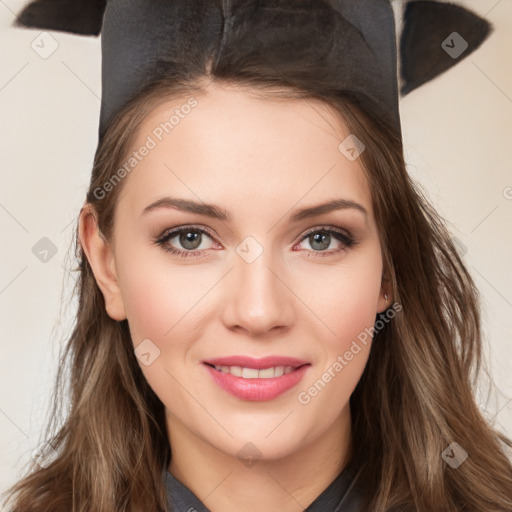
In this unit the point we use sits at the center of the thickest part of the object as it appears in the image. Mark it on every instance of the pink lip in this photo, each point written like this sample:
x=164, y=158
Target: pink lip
x=250, y=362
x=257, y=389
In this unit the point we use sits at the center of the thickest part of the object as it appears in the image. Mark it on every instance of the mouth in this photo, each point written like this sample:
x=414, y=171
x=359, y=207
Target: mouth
x=256, y=384
x=255, y=373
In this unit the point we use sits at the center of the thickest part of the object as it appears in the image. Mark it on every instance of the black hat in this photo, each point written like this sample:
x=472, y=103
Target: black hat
x=146, y=39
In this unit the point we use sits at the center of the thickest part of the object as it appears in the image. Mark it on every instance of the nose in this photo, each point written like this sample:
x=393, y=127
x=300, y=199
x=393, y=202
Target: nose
x=258, y=298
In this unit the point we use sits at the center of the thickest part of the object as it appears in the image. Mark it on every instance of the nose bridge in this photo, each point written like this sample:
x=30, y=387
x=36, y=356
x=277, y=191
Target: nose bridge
x=259, y=300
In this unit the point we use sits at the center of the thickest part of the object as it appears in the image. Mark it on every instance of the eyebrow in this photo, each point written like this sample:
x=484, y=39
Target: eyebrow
x=211, y=210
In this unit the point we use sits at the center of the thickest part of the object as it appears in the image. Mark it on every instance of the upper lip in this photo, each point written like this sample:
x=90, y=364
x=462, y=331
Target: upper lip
x=250, y=362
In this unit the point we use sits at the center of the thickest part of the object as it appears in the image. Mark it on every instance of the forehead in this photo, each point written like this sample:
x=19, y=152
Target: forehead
x=231, y=146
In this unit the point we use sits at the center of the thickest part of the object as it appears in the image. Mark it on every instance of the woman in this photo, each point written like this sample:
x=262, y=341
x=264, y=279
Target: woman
x=271, y=315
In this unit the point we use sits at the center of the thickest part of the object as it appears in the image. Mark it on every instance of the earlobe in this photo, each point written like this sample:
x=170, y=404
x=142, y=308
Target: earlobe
x=384, y=301
x=385, y=298
x=101, y=259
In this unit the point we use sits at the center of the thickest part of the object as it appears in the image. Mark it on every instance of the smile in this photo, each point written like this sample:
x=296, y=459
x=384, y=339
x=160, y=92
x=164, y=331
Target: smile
x=256, y=384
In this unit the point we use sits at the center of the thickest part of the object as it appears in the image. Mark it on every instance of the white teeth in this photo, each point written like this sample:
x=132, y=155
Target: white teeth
x=279, y=371
x=250, y=373
x=253, y=373
x=237, y=371
x=265, y=373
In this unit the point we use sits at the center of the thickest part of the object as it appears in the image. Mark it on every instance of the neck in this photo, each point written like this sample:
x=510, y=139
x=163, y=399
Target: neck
x=224, y=482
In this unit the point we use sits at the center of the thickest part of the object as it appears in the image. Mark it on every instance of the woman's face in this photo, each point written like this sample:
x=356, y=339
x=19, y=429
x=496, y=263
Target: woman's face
x=257, y=276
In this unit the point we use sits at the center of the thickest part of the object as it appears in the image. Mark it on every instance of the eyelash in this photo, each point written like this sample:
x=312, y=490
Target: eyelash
x=338, y=234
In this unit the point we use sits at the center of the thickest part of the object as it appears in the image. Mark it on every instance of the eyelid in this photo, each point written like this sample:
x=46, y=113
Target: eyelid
x=326, y=227
x=193, y=227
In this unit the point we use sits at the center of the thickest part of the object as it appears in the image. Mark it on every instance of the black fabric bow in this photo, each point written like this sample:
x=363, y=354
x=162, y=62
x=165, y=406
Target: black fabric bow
x=358, y=53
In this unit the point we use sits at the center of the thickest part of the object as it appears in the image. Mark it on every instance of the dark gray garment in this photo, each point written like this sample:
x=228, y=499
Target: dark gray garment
x=340, y=496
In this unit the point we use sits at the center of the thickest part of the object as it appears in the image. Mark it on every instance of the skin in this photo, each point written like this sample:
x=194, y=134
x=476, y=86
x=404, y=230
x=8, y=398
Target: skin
x=260, y=160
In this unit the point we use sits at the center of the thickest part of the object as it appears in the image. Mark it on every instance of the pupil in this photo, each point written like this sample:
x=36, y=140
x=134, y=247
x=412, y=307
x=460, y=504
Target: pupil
x=322, y=239
x=189, y=240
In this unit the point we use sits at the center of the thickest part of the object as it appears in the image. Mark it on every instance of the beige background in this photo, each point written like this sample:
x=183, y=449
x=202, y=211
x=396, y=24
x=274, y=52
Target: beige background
x=458, y=137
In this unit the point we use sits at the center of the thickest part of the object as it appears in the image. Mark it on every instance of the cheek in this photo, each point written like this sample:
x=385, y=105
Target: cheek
x=348, y=307
x=157, y=296
x=356, y=307
x=345, y=302
x=148, y=304
x=344, y=298
x=159, y=306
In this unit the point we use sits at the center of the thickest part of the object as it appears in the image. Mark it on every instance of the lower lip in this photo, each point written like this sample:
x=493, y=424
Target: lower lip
x=257, y=389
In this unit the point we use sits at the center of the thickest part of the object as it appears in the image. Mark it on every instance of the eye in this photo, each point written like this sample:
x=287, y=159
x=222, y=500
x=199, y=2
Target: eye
x=189, y=237
x=321, y=238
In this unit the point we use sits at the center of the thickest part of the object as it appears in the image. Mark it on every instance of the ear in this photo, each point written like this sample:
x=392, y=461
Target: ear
x=385, y=290
x=84, y=17
x=101, y=259
x=435, y=37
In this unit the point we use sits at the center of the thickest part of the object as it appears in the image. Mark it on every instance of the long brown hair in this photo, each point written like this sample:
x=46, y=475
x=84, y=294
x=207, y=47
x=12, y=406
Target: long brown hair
x=414, y=399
